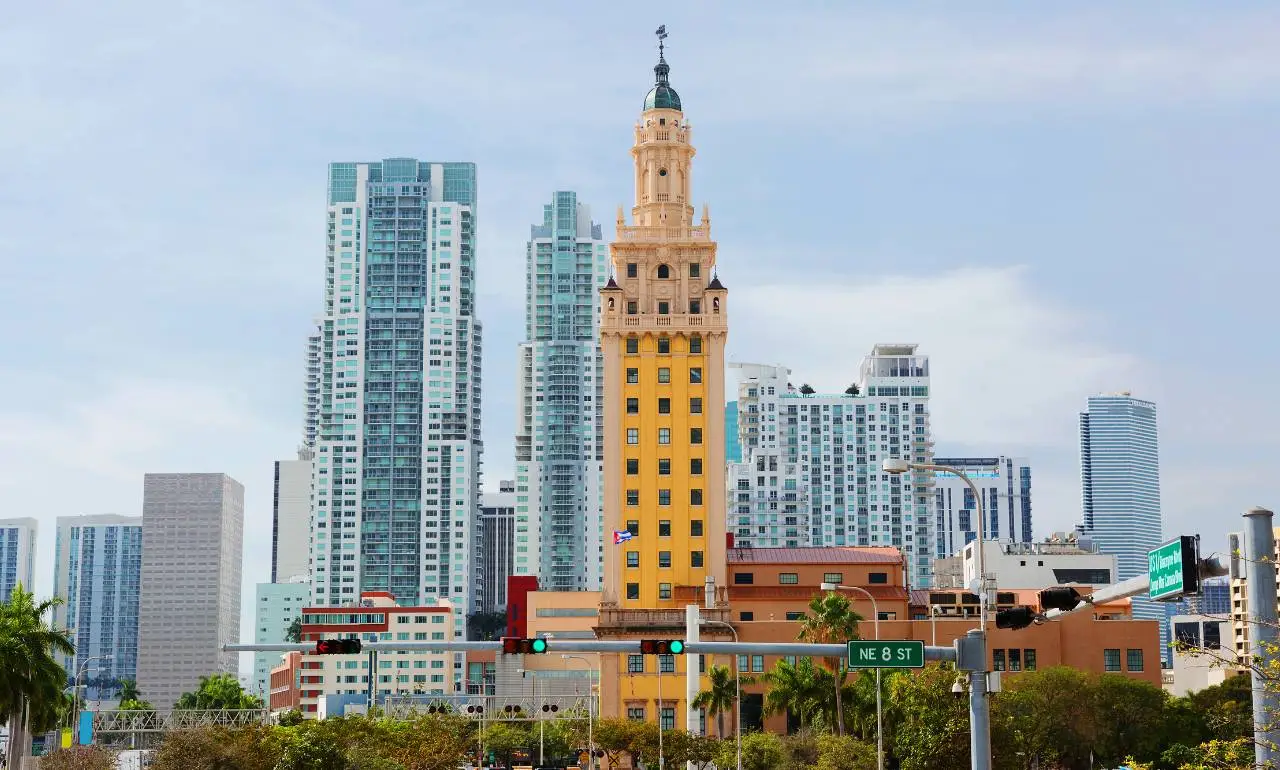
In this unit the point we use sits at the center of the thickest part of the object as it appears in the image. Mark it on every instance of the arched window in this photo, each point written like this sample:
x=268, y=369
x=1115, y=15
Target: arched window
x=611, y=303
x=664, y=272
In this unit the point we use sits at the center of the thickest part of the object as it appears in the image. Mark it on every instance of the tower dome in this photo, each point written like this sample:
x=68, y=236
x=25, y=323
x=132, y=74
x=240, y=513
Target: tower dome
x=662, y=96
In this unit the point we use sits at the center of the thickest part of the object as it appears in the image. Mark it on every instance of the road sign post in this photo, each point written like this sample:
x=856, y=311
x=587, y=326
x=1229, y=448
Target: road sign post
x=893, y=653
x=1174, y=569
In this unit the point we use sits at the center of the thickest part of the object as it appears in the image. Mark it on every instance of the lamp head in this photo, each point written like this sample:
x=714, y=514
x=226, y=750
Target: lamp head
x=895, y=465
x=828, y=586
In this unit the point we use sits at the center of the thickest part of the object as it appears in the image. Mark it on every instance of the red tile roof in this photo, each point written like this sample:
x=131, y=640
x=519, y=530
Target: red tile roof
x=831, y=555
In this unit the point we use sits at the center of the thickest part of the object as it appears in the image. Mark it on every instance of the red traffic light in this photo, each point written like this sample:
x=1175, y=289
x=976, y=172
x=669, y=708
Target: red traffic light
x=661, y=647
x=514, y=645
x=338, y=647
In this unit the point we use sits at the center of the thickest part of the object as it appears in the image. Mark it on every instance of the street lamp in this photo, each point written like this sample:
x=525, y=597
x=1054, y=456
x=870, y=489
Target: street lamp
x=591, y=752
x=875, y=608
x=979, y=703
x=737, y=686
x=75, y=695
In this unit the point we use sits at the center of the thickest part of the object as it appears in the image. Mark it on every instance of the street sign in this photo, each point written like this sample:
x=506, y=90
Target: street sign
x=896, y=653
x=1174, y=569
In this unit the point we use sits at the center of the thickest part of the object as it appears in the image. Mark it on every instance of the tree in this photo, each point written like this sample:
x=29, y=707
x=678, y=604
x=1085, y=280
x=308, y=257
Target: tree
x=427, y=741
x=721, y=697
x=840, y=752
x=1129, y=716
x=294, y=632
x=831, y=620
x=1227, y=708
x=129, y=690
x=853, y=390
x=79, y=758
x=933, y=724
x=613, y=737
x=702, y=750
x=1047, y=716
x=218, y=748
x=801, y=690
x=31, y=678
x=760, y=751
x=807, y=389
x=486, y=626
x=220, y=691
x=503, y=738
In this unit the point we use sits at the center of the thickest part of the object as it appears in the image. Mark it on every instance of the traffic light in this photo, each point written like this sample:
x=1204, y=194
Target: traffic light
x=1015, y=618
x=661, y=647
x=1059, y=598
x=338, y=647
x=514, y=645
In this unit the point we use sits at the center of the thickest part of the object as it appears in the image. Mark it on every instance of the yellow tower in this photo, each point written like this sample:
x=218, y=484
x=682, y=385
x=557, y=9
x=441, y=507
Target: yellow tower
x=663, y=328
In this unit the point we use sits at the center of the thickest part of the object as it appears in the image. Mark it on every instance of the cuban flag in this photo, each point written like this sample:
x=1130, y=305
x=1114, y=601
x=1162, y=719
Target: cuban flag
x=621, y=537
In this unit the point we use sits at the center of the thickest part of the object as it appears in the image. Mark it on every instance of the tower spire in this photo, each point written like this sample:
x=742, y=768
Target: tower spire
x=661, y=70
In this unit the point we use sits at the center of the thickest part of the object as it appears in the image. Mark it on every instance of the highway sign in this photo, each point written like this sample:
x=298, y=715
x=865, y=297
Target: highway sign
x=1174, y=569
x=896, y=653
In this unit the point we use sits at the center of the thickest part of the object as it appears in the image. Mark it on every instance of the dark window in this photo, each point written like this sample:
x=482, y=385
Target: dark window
x=1087, y=576
x=695, y=498
x=695, y=270
x=633, y=591
x=1015, y=659
x=1133, y=659
x=1029, y=660
x=631, y=269
x=633, y=407
x=695, y=560
x=664, y=560
x=745, y=579
x=633, y=497
x=695, y=435
x=664, y=497
x=833, y=577
x=633, y=527
x=878, y=578
x=1187, y=634
x=695, y=344
x=797, y=616
x=1111, y=660
x=695, y=307
x=633, y=345
x=633, y=467
x=664, y=308
x=1212, y=636
x=695, y=467
x=751, y=616
x=695, y=374
x=664, y=467
x=695, y=528
x=664, y=345
x=633, y=560
x=695, y=406
x=997, y=660
x=664, y=374
x=788, y=578
x=664, y=273
x=664, y=407
x=633, y=377
x=664, y=527
x=632, y=307
x=635, y=665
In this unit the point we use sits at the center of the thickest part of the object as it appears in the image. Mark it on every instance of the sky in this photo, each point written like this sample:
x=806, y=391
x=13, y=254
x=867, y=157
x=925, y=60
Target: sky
x=1053, y=201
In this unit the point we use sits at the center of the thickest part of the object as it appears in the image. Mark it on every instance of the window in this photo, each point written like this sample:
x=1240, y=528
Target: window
x=664, y=345
x=1133, y=659
x=635, y=665
x=664, y=591
x=695, y=307
x=695, y=374
x=633, y=527
x=633, y=378
x=1015, y=659
x=633, y=466
x=633, y=497
x=695, y=466
x=664, y=308
x=633, y=559
x=1110, y=660
x=695, y=406
x=664, y=497
x=744, y=579
x=695, y=528
x=633, y=407
x=632, y=272
x=633, y=435
x=788, y=579
x=664, y=466
x=757, y=663
x=695, y=558
x=695, y=344
x=668, y=716
x=878, y=578
x=664, y=561
x=833, y=577
x=664, y=374
x=695, y=270
x=667, y=664
x=664, y=435
x=664, y=406
x=695, y=497
x=635, y=713
x=633, y=345
x=632, y=307
x=1029, y=659
x=664, y=273
x=695, y=435
x=664, y=528
x=633, y=591
x=796, y=616
x=748, y=616
x=997, y=660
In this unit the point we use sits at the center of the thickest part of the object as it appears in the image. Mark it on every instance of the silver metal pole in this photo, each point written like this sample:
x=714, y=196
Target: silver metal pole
x=737, y=691
x=661, y=758
x=979, y=712
x=875, y=608
x=1260, y=572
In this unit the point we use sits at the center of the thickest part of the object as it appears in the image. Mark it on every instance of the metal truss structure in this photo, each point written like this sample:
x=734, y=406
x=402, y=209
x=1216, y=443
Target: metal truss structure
x=113, y=725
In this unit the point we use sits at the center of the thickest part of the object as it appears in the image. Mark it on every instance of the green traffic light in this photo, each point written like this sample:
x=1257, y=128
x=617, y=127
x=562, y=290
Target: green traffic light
x=539, y=645
x=677, y=647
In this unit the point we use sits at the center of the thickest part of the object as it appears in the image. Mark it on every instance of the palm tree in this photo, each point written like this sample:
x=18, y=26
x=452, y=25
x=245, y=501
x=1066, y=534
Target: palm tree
x=129, y=690
x=831, y=620
x=722, y=696
x=852, y=390
x=31, y=679
x=799, y=689
x=807, y=389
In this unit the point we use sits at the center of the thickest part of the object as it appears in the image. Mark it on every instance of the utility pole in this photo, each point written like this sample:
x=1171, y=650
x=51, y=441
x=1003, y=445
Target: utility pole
x=1260, y=576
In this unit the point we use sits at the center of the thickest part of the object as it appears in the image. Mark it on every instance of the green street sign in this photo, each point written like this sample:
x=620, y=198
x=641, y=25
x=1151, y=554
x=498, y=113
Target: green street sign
x=897, y=653
x=1174, y=569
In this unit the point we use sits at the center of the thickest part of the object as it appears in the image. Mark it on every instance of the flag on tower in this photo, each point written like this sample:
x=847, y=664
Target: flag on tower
x=621, y=537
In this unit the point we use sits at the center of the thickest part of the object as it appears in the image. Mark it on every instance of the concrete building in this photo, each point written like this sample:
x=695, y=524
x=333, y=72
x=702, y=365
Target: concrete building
x=377, y=617
x=97, y=572
x=1120, y=487
x=1214, y=598
x=291, y=518
x=314, y=370
x=17, y=555
x=810, y=473
x=1063, y=559
x=497, y=545
x=1202, y=656
x=397, y=462
x=276, y=606
x=1005, y=486
x=559, y=419
x=192, y=555
x=1239, y=587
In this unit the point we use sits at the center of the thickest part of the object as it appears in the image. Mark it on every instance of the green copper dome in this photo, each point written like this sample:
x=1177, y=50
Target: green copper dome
x=662, y=96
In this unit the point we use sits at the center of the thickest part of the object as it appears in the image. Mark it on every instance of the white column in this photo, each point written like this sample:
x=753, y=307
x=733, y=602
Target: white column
x=692, y=683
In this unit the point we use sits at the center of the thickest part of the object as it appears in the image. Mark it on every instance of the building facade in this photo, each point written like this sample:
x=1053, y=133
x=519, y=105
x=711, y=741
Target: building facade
x=17, y=555
x=276, y=606
x=397, y=462
x=560, y=423
x=192, y=556
x=98, y=576
x=810, y=473
x=1120, y=486
x=1202, y=656
x=291, y=518
x=1054, y=562
x=497, y=545
x=1005, y=486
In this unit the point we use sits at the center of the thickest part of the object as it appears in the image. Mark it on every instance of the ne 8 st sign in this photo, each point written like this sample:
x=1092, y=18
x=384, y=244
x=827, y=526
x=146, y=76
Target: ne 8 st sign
x=1174, y=569
x=865, y=653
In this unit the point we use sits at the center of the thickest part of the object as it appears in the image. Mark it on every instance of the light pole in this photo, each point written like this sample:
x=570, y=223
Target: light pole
x=737, y=688
x=875, y=608
x=662, y=762
x=979, y=703
x=591, y=752
x=75, y=695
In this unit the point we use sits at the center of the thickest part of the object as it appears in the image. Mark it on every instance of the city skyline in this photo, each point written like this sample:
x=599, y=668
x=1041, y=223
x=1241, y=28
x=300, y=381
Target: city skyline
x=969, y=156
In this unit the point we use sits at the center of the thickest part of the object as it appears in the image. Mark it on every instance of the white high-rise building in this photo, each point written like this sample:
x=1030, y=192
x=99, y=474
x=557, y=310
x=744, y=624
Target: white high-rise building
x=397, y=458
x=17, y=555
x=291, y=518
x=1005, y=485
x=560, y=425
x=811, y=463
x=276, y=606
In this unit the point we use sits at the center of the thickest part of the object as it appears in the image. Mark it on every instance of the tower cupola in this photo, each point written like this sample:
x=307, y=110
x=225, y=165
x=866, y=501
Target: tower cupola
x=662, y=96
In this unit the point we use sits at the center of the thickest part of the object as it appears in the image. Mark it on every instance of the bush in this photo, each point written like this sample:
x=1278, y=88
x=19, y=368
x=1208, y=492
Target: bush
x=79, y=758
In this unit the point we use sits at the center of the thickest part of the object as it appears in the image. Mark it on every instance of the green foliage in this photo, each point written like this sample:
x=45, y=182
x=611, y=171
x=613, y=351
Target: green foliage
x=294, y=632
x=290, y=718
x=852, y=390
x=831, y=620
x=722, y=697
x=760, y=751
x=79, y=758
x=486, y=626
x=841, y=752
x=933, y=724
x=217, y=748
x=1226, y=708
x=220, y=691
x=29, y=670
x=129, y=691
x=802, y=690
x=807, y=389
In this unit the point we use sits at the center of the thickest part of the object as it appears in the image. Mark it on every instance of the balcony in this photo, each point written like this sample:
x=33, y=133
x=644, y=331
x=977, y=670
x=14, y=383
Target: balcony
x=614, y=620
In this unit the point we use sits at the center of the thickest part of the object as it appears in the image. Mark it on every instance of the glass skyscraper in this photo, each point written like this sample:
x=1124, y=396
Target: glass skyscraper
x=17, y=555
x=560, y=425
x=397, y=460
x=98, y=574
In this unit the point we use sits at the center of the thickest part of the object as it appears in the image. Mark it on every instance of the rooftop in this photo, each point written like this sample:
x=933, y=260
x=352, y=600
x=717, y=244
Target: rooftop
x=831, y=555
